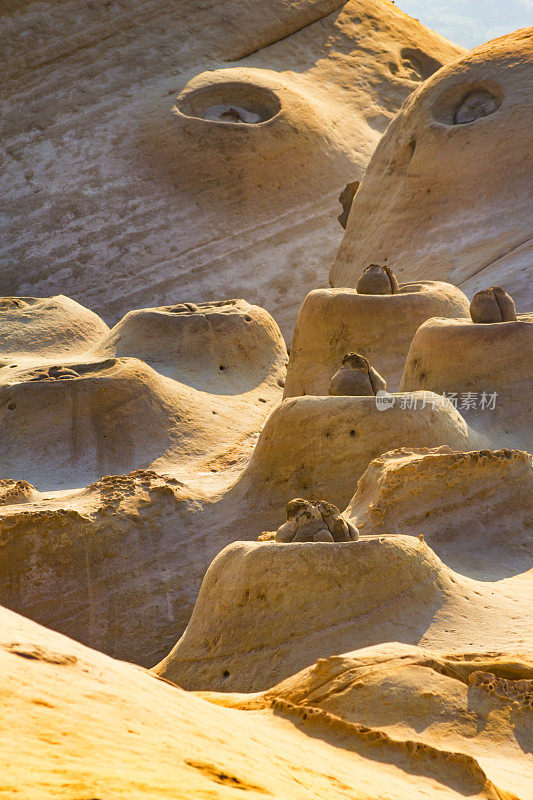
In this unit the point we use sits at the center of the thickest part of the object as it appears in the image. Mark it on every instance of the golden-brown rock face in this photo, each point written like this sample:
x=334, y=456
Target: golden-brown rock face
x=333, y=322
x=267, y=609
x=76, y=723
x=429, y=492
x=430, y=203
x=158, y=152
x=492, y=305
x=486, y=370
x=225, y=347
x=323, y=587
x=356, y=377
x=77, y=408
x=42, y=327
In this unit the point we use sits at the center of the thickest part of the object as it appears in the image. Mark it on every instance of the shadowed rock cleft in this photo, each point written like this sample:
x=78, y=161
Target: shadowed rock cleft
x=346, y=199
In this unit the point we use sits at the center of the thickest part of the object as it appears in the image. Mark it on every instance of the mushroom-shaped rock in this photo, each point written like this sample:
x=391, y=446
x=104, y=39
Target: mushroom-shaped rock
x=484, y=369
x=340, y=529
x=492, y=305
x=315, y=522
x=356, y=377
x=340, y=598
x=320, y=446
x=377, y=280
x=332, y=322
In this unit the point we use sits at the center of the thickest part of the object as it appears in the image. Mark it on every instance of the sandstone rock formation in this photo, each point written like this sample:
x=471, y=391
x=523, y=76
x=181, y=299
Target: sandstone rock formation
x=266, y=610
x=77, y=723
x=44, y=327
x=486, y=370
x=199, y=494
x=430, y=492
x=429, y=203
x=315, y=522
x=176, y=491
x=320, y=446
x=73, y=413
x=143, y=541
x=114, y=114
x=114, y=415
x=492, y=305
x=332, y=322
x=224, y=347
x=217, y=371
x=123, y=559
x=435, y=705
x=356, y=377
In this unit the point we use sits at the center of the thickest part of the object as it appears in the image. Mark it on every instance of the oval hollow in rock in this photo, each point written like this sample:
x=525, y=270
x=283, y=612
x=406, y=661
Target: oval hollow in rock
x=475, y=105
x=418, y=65
x=235, y=102
x=466, y=102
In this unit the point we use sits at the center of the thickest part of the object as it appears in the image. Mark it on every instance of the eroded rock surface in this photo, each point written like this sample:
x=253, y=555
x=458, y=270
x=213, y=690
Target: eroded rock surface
x=144, y=470
x=333, y=322
x=46, y=327
x=374, y=589
x=204, y=147
x=486, y=370
x=59, y=696
x=356, y=377
x=429, y=202
x=315, y=522
x=430, y=492
x=492, y=305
